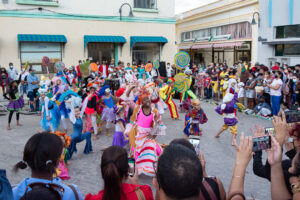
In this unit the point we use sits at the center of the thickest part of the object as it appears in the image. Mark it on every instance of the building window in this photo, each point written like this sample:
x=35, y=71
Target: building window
x=292, y=31
x=241, y=30
x=148, y=4
x=142, y=53
x=33, y=52
x=101, y=51
x=287, y=50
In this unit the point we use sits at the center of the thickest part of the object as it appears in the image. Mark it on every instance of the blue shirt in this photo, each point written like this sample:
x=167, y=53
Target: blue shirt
x=20, y=189
x=30, y=79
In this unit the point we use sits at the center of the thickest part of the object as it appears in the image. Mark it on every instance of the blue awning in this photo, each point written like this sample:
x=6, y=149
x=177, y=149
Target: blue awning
x=152, y=39
x=104, y=38
x=41, y=38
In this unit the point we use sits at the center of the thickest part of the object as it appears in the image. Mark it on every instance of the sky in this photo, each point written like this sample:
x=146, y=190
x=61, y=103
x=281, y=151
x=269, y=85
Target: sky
x=184, y=5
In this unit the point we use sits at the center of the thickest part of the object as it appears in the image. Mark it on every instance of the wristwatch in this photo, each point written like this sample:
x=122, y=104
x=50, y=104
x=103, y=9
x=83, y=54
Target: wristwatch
x=295, y=188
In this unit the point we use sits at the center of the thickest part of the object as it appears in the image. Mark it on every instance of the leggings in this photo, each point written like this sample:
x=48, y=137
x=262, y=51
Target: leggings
x=94, y=123
x=11, y=114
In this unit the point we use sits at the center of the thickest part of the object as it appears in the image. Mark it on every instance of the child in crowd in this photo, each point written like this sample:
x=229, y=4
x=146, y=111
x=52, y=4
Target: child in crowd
x=241, y=92
x=207, y=86
x=119, y=138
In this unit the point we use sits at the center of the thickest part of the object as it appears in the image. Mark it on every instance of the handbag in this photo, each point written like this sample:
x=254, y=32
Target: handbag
x=286, y=88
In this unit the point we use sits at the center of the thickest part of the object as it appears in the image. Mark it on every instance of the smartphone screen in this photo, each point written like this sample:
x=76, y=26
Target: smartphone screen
x=270, y=131
x=131, y=163
x=195, y=141
x=261, y=143
x=292, y=116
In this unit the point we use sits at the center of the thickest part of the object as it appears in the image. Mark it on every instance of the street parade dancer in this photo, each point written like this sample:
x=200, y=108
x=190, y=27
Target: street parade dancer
x=144, y=126
x=16, y=103
x=227, y=110
x=193, y=118
x=166, y=93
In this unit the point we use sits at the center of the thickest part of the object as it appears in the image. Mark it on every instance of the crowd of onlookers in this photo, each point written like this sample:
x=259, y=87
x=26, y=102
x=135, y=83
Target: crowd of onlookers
x=262, y=90
x=180, y=172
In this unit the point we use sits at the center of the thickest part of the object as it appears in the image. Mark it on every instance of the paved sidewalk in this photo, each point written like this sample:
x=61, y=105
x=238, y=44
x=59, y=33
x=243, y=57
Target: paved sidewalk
x=85, y=169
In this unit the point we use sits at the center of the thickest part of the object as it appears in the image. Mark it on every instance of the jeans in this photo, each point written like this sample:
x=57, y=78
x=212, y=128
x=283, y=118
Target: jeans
x=275, y=101
x=31, y=96
x=88, y=146
x=79, y=81
x=5, y=187
x=23, y=89
x=208, y=92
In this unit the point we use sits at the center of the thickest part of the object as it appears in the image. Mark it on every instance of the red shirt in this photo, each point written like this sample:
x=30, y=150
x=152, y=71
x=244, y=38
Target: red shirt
x=128, y=193
x=207, y=81
x=78, y=71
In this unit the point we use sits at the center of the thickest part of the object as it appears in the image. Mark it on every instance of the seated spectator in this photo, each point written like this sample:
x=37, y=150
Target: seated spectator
x=114, y=169
x=43, y=160
x=212, y=187
x=178, y=174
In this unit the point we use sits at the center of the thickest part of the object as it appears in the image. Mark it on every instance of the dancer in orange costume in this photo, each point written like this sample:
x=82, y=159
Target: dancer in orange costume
x=166, y=93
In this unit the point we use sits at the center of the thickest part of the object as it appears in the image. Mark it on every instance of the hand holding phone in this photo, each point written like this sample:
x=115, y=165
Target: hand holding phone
x=195, y=141
x=292, y=116
x=261, y=143
x=131, y=163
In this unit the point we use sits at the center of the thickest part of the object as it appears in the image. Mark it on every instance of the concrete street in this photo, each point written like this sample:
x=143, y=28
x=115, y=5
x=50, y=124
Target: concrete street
x=85, y=169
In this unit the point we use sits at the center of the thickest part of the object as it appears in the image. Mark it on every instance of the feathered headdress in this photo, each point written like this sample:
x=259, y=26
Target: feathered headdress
x=143, y=93
x=65, y=136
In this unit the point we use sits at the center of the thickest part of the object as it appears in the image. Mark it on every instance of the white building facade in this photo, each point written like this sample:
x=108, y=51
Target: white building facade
x=279, y=32
x=219, y=32
x=76, y=30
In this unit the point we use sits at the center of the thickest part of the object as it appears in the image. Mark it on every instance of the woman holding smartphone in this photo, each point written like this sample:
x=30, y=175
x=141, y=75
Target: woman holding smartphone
x=275, y=91
x=114, y=169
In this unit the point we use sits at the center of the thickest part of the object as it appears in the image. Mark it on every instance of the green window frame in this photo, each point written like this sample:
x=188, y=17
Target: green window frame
x=53, y=3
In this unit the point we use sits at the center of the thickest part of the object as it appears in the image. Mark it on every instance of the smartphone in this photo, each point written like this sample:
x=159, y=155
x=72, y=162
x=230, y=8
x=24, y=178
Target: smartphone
x=131, y=163
x=195, y=141
x=270, y=131
x=292, y=116
x=261, y=143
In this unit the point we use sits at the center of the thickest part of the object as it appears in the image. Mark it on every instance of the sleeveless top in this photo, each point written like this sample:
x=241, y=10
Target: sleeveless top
x=209, y=189
x=109, y=102
x=143, y=120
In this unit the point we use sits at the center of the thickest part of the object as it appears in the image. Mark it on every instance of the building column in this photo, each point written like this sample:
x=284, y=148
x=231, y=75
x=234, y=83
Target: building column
x=116, y=54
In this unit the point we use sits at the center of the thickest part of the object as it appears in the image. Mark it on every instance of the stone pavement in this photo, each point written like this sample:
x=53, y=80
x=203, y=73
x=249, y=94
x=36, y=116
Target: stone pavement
x=85, y=169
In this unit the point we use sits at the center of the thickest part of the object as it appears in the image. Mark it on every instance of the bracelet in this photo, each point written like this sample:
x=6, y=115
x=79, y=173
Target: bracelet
x=241, y=177
x=295, y=188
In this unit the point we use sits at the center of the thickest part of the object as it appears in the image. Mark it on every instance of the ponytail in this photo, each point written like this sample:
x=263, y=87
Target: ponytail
x=112, y=182
x=20, y=165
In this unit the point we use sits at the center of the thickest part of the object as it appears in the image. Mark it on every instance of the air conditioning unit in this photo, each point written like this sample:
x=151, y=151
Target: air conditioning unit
x=285, y=61
x=271, y=61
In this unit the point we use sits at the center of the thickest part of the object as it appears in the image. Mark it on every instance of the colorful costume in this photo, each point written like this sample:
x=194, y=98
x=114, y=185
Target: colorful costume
x=227, y=110
x=16, y=102
x=108, y=111
x=146, y=150
x=49, y=109
x=118, y=138
x=166, y=93
x=89, y=106
x=192, y=120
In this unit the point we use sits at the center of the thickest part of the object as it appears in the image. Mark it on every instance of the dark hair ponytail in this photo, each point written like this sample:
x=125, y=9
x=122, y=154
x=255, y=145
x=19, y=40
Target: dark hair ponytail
x=114, y=168
x=39, y=153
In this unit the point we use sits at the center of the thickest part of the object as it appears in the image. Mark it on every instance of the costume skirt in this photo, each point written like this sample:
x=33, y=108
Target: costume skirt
x=119, y=140
x=16, y=105
x=108, y=115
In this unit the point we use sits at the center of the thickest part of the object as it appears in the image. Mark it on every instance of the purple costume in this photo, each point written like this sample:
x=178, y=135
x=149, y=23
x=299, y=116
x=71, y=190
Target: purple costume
x=228, y=111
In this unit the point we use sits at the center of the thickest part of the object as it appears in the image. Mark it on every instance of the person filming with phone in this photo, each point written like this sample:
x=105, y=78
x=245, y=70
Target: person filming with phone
x=115, y=171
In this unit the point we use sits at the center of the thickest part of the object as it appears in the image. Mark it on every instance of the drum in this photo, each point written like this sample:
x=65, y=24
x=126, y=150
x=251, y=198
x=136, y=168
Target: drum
x=114, y=84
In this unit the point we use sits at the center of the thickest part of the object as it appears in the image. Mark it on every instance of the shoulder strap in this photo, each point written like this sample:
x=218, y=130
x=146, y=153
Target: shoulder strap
x=139, y=193
x=74, y=191
x=209, y=190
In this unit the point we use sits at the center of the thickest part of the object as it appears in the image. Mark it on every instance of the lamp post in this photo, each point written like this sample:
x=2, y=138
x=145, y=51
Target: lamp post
x=253, y=19
x=130, y=12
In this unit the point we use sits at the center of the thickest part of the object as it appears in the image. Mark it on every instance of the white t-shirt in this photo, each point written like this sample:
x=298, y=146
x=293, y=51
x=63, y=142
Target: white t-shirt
x=23, y=75
x=274, y=83
x=241, y=93
x=169, y=71
x=104, y=74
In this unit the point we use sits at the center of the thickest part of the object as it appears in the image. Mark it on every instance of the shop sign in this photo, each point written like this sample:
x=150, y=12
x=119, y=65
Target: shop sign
x=221, y=37
x=204, y=39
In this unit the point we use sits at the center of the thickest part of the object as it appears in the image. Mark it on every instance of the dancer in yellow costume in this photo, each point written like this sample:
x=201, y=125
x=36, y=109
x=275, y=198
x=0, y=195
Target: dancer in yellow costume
x=166, y=93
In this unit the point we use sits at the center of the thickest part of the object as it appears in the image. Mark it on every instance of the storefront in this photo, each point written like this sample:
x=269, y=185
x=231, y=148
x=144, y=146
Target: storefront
x=34, y=47
x=219, y=33
x=145, y=49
